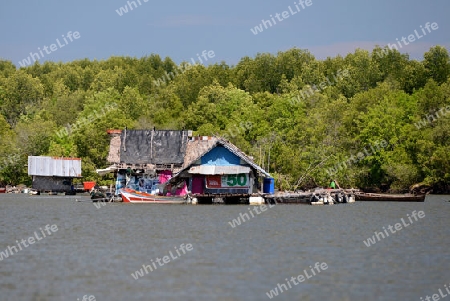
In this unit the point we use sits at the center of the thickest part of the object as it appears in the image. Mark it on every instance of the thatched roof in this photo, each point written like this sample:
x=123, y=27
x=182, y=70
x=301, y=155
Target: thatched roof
x=114, y=150
x=197, y=148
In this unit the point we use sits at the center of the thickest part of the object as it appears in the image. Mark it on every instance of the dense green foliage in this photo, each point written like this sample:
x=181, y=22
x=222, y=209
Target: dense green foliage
x=300, y=118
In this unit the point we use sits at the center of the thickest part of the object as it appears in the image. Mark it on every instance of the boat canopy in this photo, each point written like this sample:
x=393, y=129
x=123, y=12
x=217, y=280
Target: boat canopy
x=105, y=171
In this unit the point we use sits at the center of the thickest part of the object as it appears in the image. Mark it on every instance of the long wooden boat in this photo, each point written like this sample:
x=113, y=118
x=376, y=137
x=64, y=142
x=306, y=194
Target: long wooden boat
x=2, y=190
x=133, y=196
x=380, y=197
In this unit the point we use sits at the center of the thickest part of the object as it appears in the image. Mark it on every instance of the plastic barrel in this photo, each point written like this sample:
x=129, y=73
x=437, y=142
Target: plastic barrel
x=269, y=185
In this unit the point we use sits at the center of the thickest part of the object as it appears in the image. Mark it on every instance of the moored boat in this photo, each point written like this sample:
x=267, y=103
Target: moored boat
x=380, y=197
x=132, y=196
x=2, y=190
x=34, y=192
x=98, y=196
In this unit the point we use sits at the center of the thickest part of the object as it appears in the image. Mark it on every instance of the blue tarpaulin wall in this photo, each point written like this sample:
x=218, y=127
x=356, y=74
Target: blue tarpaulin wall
x=220, y=156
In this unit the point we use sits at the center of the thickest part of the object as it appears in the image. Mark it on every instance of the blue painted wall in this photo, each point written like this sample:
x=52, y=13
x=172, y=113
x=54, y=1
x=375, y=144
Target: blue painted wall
x=220, y=156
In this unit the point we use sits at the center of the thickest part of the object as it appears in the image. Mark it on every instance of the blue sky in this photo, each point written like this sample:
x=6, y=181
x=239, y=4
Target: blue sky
x=181, y=29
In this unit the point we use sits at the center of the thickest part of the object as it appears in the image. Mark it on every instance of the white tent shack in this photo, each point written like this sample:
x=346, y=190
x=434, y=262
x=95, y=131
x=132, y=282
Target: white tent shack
x=53, y=174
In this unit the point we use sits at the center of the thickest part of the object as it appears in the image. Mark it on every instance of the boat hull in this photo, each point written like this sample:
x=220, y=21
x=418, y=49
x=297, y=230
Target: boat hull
x=2, y=190
x=137, y=197
x=376, y=197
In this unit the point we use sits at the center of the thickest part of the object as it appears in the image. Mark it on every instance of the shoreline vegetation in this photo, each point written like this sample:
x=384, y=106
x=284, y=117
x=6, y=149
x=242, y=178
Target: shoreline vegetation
x=308, y=116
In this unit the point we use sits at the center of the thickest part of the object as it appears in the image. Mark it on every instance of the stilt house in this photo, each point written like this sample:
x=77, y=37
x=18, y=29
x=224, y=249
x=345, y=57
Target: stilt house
x=175, y=163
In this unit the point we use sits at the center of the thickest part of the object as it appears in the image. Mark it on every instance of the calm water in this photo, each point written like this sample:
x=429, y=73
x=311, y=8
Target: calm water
x=94, y=251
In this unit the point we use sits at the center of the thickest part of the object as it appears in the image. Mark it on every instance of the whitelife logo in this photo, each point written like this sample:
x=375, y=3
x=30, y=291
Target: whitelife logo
x=183, y=68
x=311, y=90
x=166, y=259
x=35, y=56
x=243, y=217
x=436, y=297
x=398, y=226
x=411, y=38
x=11, y=250
x=280, y=17
x=297, y=280
x=359, y=156
x=9, y=160
x=87, y=298
x=83, y=121
x=429, y=119
x=124, y=9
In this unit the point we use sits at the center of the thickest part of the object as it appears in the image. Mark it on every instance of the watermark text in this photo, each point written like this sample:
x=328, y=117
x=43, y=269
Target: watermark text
x=266, y=24
x=49, y=49
x=146, y=269
x=398, y=226
x=38, y=235
x=280, y=288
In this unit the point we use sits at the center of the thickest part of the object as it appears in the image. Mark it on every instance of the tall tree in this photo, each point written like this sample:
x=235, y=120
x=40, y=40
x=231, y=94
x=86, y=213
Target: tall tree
x=437, y=64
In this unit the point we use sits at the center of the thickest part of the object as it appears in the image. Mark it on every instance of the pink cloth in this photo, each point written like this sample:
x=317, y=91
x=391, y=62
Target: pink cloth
x=165, y=176
x=182, y=191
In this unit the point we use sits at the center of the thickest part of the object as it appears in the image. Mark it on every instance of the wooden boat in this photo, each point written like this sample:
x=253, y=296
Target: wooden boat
x=380, y=197
x=132, y=196
x=2, y=190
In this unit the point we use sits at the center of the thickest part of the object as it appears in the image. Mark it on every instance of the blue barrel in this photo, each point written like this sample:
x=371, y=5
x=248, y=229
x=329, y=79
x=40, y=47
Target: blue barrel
x=269, y=185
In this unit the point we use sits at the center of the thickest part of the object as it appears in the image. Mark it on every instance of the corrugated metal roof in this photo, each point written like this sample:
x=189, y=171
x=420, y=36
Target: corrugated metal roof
x=54, y=166
x=219, y=170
